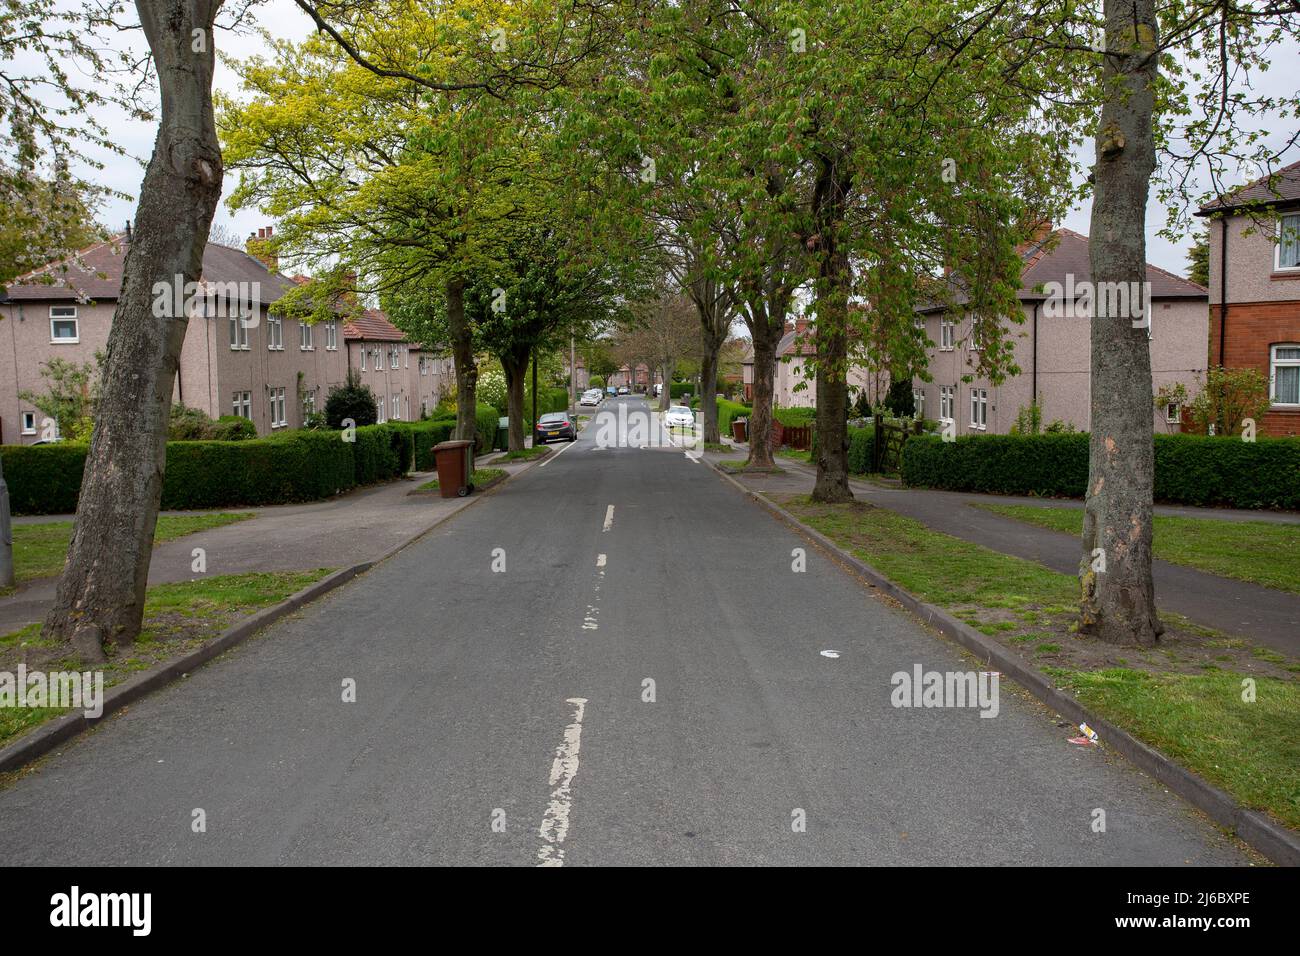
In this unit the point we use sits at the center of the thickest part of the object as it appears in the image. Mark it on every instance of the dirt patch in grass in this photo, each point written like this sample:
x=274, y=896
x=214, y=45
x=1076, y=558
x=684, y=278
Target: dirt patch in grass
x=737, y=466
x=482, y=479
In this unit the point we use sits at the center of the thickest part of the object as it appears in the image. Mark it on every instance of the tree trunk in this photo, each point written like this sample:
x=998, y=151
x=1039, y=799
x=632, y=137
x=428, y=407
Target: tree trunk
x=462, y=353
x=666, y=396
x=765, y=318
x=101, y=591
x=1117, y=596
x=515, y=368
x=831, y=334
x=709, y=392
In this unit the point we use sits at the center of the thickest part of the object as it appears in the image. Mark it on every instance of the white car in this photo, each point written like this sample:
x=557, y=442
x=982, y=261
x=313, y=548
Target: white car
x=592, y=396
x=679, y=416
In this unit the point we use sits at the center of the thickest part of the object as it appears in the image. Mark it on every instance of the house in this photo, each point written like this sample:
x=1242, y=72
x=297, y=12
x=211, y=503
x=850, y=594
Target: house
x=1254, y=296
x=407, y=381
x=1053, y=346
x=794, y=350
x=240, y=356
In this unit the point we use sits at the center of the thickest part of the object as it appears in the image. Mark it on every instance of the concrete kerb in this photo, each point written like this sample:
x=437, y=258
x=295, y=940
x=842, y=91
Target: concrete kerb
x=1273, y=840
x=60, y=730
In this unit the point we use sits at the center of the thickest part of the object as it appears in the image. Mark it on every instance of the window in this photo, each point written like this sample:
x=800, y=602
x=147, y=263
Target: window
x=278, y=417
x=947, y=401
x=63, y=325
x=381, y=410
x=972, y=340
x=29, y=423
x=406, y=357
x=1288, y=243
x=238, y=332
x=424, y=366
x=377, y=356
x=1284, y=375
x=406, y=408
x=947, y=329
x=394, y=355
x=305, y=337
x=979, y=408
x=274, y=333
x=363, y=358
x=1173, y=413
x=308, y=404
x=242, y=406
x=331, y=336
x=397, y=411
x=918, y=399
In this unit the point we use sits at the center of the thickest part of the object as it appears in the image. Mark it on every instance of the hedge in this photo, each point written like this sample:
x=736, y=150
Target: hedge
x=728, y=411
x=861, y=441
x=43, y=479
x=795, y=415
x=1190, y=469
x=678, y=389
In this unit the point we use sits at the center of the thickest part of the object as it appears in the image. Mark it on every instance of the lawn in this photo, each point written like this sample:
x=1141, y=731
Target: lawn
x=533, y=451
x=1182, y=696
x=177, y=619
x=40, y=549
x=1261, y=552
x=481, y=478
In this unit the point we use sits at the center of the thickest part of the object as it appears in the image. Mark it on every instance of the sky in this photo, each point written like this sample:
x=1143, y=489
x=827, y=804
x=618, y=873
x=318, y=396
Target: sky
x=282, y=19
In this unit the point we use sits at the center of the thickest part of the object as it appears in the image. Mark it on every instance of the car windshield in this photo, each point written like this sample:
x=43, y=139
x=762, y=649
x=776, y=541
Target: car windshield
x=679, y=410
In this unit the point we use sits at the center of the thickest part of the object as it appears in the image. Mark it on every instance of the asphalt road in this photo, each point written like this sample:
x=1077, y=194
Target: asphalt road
x=501, y=717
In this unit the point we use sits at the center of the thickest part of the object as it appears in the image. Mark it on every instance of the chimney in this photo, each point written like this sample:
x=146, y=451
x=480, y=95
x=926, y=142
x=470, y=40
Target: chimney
x=258, y=245
x=801, y=324
x=1040, y=233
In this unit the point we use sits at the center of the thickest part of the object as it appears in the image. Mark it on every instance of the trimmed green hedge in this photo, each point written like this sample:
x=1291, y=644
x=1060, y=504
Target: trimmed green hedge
x=860, y=442
x=1190, y=469
x=43, y=479
x=795, y=415
x=728, y=411
x=678, y=389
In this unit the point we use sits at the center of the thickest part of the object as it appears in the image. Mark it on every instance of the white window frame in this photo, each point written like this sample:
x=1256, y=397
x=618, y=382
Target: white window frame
x=29, y=429
x=947, y=402
x=308, y=405
x=918, y=399
x=1173, y=413
x=972, y=340
x=381, y=415
x=1277, y=246
x=274, y=333
x=363, y=357
x=397, y=409
x=65, y=317
x=279, y=414
x=947, y=334
x=242, y=405
x=394, y=356
x=406, y=357
x=306, y=341
x=979, y=409
x=332, y=336
x=238, y=334
x=1273, y=364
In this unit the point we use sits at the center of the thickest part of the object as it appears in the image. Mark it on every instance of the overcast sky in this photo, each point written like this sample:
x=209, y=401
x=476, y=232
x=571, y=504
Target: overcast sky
x=283, y=19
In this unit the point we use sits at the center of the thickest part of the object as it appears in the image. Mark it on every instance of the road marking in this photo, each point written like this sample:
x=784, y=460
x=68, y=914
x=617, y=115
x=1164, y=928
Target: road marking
x=830, y=654
x=600, y=560
x=609, y=518
x=555, y=823
x=551, y=458
x=589, y=622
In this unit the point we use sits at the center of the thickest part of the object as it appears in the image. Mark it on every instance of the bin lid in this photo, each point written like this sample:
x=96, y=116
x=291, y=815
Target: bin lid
x=503, y=423
x=449, y=445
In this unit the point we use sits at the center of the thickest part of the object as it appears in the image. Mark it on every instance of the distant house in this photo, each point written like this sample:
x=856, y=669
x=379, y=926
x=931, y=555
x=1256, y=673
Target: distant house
x=407, y=381
x=1254, y=294
x=793, y=353
x=1054, y=353
x=241, y=355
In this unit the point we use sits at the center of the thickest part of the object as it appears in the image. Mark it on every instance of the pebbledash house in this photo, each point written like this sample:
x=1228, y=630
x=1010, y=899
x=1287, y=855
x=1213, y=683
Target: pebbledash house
x=240, y=355
x=1255, y=289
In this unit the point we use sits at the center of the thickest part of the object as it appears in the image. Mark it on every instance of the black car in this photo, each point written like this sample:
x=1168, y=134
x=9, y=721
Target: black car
x=555, y=425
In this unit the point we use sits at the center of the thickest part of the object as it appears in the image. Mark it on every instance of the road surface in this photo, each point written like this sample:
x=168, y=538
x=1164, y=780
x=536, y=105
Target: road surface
x=643, y=683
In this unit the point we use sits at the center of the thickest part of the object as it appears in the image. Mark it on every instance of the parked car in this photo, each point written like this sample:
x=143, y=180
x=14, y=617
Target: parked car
x=623, y=390
x=611, y=389
x=679, y=416
x=592, y=396
x=554, y=425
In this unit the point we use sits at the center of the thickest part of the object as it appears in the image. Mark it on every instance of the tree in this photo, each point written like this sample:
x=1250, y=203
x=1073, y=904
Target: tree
x=661, y=331
x=1229, y=396
x=101, y=591
x=71, y=398
x=1198, y=259
x=53, y=218
x=351, y=400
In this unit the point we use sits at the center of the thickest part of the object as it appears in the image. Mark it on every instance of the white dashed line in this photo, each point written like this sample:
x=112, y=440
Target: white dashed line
x=600, y=560
x=609, y=518
x=555, y=823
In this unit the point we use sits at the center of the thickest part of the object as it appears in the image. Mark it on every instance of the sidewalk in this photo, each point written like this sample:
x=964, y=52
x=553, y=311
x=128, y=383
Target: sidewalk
x=360, y=526
x=1266, y=616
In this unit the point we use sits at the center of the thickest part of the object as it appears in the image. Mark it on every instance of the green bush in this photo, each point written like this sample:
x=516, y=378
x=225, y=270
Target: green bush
x=678, y=389
x=596, y=381
x=43, y=479
x=381, y=452
x=485, y=425
x=292, y=466
x=425, y=435
x=1190, y=469
x=233, y=428
x=860, y=444
x=795, y=416
x=351, y=400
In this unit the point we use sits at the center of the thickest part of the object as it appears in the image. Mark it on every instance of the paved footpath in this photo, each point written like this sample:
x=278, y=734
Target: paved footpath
x=1264, y=615
x=643, y=683
x=360, y=526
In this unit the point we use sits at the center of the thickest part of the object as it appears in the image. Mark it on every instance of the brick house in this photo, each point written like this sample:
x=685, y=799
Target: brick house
x=240, y=356
x=406, y=380
x=1054, y=353
x=793, y=351
x=1255, y=290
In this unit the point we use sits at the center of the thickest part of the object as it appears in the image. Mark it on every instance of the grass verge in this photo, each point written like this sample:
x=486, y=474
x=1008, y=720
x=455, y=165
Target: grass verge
x=1260, y=552
x=177, y=619
x=482, y=478
x=1183, y=696
x=40, y=548
x=523, y=454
